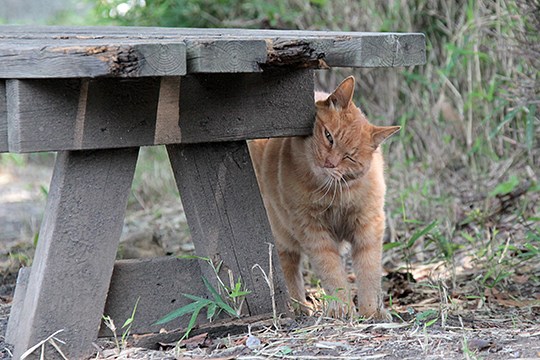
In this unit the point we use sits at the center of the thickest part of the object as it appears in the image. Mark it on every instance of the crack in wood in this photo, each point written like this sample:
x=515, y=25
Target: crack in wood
x=122, y=60
x=125, y=62
x=294, y=54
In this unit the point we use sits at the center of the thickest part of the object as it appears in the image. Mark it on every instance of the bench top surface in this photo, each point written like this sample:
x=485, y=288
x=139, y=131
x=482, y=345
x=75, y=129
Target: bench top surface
x=68, y=52
x=65, y=88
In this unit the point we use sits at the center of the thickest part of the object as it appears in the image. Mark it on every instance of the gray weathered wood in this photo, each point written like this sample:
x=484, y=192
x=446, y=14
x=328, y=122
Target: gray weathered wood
x=76, y=250
x=17, y=304
x=410, y=50
x=225, y=56
x=373, y=51
x=59, y=60
x=25, y=32
x=104, y=113
x=158, y=284
x=246, y=106
x=4, y=146
x=227, y=218
x=209, y=50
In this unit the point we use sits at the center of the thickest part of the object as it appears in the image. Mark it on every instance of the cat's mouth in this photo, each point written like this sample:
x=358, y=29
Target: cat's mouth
x=345, y=178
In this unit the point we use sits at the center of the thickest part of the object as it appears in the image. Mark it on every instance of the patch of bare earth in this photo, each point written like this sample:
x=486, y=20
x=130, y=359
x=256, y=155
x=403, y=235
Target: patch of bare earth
x=463, y=336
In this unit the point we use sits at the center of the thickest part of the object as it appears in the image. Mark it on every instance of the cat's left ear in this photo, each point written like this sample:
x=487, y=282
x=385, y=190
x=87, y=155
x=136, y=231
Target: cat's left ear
x=380, y=133
x=342, y=96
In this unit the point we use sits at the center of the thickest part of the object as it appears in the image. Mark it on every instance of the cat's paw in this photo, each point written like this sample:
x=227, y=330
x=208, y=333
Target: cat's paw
x=339, y=309
x=302, y=308
x=381, y=314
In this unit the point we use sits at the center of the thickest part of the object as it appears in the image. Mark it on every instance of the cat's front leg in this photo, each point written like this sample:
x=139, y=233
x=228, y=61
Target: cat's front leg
x=292, y=270
x=324, y=255
x=367, y=263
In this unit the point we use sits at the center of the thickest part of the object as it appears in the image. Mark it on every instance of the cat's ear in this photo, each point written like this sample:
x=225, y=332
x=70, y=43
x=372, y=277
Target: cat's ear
x=341, y=97
x=380, y=133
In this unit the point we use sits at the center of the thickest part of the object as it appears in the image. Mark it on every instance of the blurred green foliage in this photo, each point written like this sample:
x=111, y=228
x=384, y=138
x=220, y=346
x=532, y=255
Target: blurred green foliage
x=202, y=13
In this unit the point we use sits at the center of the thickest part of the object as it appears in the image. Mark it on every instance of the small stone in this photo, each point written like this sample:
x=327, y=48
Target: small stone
x=253, y=342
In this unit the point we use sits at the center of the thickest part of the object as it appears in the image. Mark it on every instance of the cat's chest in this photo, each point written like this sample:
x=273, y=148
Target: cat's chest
x=340, y=222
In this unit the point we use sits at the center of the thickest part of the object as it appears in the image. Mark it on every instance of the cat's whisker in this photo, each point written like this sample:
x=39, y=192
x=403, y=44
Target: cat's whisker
x=322, y=187
x=348, y=190
x=340, y=193
x=335, y=183
x=327, y=186
x=342, y=180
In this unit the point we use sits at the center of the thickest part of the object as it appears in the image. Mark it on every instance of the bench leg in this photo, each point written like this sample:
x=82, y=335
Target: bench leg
x=226, y=216
x=75, y=255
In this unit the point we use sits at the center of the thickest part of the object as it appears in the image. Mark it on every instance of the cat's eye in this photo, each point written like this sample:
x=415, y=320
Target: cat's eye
x=329, y=137
x=349, y=157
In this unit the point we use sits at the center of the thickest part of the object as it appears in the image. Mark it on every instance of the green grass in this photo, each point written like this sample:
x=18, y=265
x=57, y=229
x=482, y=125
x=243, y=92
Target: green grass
x=228, y=299
x=121, y=343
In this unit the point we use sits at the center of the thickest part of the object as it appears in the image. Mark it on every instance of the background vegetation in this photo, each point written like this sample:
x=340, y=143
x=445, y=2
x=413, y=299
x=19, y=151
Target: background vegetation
x=463, y=173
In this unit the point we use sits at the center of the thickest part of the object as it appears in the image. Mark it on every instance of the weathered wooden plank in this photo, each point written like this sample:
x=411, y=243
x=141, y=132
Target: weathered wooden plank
x=246, y=106
x=96, y=57
x=155, y=285
x=81, y=114
x=227, y=218
x=158, y=284
x=47, y=115
x=410, y=50
x=4, y=146
x=16, y=305
x=39, y=109
x=235, y=50
x=369, y=50
x=76, y=250
x=61, y=60
x=90, y=32
x=225, y=56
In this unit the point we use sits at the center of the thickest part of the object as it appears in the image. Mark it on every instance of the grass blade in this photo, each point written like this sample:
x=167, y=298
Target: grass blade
x=529, y=127
x=193, y=319
x=420, y=233
x=217, y=298
x=509, y=117
x=180, y=312
x=190, y=257
x=196, y=298
x=211, y=311
x=132, y=317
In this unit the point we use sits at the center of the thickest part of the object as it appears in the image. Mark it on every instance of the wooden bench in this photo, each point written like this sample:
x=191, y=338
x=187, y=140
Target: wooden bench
x=96, y=95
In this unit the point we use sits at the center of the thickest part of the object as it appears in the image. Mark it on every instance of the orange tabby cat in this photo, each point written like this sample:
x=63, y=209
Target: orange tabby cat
x=324, y=189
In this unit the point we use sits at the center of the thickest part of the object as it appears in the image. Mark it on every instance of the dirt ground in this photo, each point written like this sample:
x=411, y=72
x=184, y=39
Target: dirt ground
x=430, y=321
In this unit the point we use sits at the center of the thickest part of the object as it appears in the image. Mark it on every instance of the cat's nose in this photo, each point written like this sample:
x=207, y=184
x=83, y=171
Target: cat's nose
x=329, y=164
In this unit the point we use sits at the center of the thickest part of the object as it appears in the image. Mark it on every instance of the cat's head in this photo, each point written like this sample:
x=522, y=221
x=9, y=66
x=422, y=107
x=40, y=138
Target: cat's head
x=343, y=140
